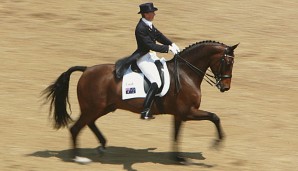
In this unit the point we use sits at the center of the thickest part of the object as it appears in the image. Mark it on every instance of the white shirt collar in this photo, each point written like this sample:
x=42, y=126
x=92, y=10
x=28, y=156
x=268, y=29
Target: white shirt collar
x=148, y=23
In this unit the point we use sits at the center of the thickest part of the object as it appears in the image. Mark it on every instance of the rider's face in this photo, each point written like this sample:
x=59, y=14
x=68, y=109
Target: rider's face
x=149, y=16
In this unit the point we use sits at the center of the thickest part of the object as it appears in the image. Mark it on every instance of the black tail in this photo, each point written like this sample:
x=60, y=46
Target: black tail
x=57, y=93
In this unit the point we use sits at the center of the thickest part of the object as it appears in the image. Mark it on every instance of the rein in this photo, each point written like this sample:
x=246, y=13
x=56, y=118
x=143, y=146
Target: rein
x=207, y=77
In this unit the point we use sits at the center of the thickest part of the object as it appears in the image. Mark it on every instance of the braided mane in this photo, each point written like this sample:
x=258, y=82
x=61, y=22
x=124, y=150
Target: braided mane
x=205, y=42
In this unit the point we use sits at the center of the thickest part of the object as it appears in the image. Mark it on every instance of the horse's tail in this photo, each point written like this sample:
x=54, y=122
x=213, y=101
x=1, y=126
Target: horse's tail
x=57, y=93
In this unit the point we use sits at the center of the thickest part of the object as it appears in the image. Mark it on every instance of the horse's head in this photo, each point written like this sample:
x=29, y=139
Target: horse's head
x=202, y=55
x=222, y=66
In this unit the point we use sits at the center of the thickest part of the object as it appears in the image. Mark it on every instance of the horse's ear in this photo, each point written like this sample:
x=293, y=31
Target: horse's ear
x=234, y=47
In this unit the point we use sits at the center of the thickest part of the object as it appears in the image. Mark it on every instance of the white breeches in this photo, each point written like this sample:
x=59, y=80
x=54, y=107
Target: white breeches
x=148, y=67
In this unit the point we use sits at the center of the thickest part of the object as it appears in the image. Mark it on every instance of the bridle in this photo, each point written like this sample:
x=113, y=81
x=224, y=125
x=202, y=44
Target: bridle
x=218, y=76
x=222, y=66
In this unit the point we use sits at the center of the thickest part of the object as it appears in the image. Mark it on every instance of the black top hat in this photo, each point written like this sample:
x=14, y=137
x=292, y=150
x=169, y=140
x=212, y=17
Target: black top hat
x=147, y=7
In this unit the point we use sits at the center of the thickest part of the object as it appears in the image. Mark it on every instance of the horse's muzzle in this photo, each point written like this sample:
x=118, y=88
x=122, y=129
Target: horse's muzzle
x=223, y=89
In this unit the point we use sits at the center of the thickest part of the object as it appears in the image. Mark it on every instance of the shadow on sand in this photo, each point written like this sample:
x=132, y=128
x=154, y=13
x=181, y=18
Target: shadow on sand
x=124, y=156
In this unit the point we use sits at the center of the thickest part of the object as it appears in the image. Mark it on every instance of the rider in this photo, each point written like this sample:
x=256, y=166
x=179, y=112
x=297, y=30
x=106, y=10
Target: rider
x=146, y=36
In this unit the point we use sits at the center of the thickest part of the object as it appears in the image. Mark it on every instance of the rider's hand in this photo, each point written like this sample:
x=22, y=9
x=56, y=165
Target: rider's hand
x=173, y=50
x=176, y=47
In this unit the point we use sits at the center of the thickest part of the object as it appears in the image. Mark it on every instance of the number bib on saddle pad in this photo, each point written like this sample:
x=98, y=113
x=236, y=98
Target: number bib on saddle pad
x=133, y=83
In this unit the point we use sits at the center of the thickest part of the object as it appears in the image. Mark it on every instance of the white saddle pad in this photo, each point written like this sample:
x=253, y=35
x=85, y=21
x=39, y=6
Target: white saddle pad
x=133, y=83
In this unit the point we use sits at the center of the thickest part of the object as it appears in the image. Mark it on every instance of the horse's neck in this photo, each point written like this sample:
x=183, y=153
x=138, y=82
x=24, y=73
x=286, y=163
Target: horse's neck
x=198, y=60
x=186, y=72
x=199, y=57
x=201, y=65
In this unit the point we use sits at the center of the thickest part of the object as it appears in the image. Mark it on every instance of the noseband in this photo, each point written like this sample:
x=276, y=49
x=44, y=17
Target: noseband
x=207, y=77
x=222, y=66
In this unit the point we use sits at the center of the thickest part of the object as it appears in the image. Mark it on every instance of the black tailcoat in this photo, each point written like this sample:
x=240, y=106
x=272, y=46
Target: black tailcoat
x=146, y=40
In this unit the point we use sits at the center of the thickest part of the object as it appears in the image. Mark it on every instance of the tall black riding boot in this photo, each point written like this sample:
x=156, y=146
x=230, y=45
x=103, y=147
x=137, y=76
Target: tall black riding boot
x=145, y=114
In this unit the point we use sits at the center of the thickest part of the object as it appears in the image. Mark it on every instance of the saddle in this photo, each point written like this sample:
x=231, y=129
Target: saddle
x=136, y=85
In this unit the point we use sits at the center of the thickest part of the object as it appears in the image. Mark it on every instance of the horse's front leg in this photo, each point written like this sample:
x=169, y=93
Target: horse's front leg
x=196, y=114
x=176, y=155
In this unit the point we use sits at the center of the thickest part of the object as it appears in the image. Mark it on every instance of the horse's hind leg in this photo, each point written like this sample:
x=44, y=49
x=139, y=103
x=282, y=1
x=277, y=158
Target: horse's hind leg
x=88, y=117
x=75, y=130
x=94, y=128
x=98, y=134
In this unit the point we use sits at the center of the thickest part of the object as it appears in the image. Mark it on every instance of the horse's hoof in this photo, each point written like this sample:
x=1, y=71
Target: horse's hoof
x=82, y=160
x=217, y=144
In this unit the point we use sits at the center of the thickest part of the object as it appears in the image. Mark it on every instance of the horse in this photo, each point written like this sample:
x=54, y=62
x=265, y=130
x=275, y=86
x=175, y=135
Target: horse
x=99, y=92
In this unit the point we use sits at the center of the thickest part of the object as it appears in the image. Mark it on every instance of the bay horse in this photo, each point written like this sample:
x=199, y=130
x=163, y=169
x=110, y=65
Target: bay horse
x=99, y=92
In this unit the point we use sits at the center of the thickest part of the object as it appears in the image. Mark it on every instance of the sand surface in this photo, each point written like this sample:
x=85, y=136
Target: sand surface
x=41, y=39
